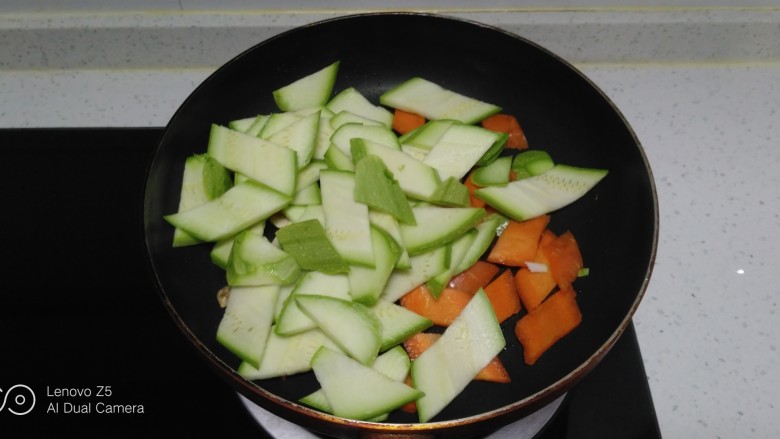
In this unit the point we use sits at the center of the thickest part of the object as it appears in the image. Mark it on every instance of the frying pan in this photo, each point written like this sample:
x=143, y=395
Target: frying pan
x=561, y=111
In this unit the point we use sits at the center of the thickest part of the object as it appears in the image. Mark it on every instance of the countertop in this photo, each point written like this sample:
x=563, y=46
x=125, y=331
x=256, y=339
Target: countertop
x=700, y=86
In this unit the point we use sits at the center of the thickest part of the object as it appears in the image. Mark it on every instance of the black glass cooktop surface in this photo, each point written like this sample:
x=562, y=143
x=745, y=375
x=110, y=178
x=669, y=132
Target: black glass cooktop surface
x=88, y=347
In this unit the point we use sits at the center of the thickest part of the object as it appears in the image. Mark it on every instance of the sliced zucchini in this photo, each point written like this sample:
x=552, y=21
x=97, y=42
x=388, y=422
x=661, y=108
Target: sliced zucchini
x=203, y=180
x=392, y=228
x=299, y=136
x=291, y=319
x=423, y=267
x=376, y=187
x=460, y=148
x=487, y=230
x=220, y=252
x=417, y=180
x=255, y=261
x=398, y=323
x=433, y=101
x=494, y=174
x=257, y=125
x=273, y=165
x=247, y=321
x=460, y=248
x=242, y=124
x=452, y=192
x=311, y=90
x=541, y=194
x=345, y=117
x=307, y=242
x=375, y=133
x=238, y=208
x=471, y=341
x=394, y=364
x=287, y=355
x=350, y=99
x=349, y=324
x=426, y=136
x=531, y=162
x=356, y=391
x=346, y=221
x=437, y=226
x=367, y=283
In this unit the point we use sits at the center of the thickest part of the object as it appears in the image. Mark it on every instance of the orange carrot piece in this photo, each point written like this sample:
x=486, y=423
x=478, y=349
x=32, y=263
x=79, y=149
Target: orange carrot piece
x=418, y=343
x=565, y=259
x=541, y=328
x=404, y=121
x=518, y=242
x=502, y=294
x=494, y=372
x=534, y=287
x=473, y=200
x=475, y=277
x=441, y=311
x=505, y=123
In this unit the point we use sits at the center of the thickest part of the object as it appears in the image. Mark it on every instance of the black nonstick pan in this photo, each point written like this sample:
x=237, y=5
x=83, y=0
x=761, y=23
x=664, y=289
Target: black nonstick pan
x=561, y=111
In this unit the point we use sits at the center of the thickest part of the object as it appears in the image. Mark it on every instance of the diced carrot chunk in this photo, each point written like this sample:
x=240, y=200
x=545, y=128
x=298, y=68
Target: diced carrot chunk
x=565, y=259
x=518, y=242
x=475, y=277
x=441, y=311
x=534, y=287
x=541, y=328
x=502, y=294
x=506, y=123
x=404, y=121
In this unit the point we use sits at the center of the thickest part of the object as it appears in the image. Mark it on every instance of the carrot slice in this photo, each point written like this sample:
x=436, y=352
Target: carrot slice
x=441, y=311
x=418, y=343
x=404, y=121
x=475, y=277
x=518, y=242
x=473, y=200
x=541, y=328
x=534, y=287
x=565, y=259
x=494, y=372
x=505, y=123
x=502, y=294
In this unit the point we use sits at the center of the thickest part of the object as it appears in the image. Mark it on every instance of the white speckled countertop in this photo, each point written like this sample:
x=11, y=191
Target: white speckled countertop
x=699, y=85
